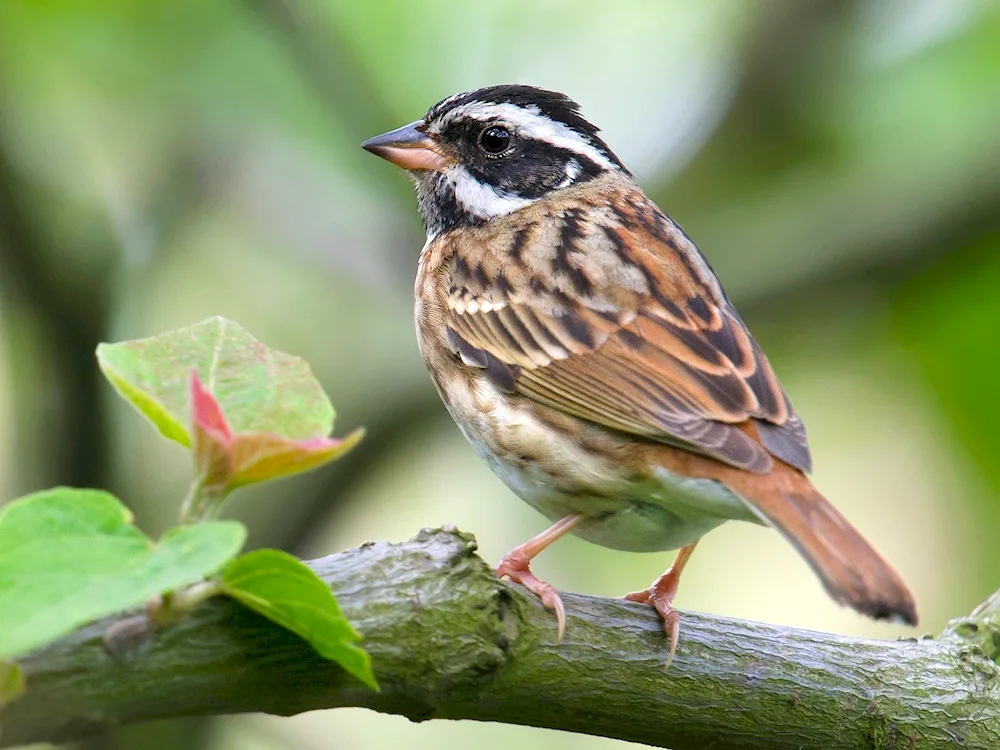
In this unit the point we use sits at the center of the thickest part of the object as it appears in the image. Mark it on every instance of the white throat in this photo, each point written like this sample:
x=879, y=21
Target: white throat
x=480, y=199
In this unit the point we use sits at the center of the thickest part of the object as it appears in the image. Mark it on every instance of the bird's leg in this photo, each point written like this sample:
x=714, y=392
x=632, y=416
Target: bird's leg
x=661, y=595
x=515, y=566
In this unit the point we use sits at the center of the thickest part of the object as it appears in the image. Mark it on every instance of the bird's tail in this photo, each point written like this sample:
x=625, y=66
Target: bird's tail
x=852, y=571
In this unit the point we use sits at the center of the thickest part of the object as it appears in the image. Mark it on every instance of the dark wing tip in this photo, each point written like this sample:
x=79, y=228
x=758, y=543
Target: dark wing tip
x=784, y=441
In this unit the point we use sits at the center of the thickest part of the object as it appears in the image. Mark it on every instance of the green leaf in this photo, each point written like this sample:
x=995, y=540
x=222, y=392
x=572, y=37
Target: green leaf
x=70, y=556
x=11, y=681
x=284, y=590
x=258, y=389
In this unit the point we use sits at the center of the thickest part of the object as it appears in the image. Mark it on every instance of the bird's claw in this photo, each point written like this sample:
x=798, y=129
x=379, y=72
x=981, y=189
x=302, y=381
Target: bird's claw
x=662, y=602
x=516, y=569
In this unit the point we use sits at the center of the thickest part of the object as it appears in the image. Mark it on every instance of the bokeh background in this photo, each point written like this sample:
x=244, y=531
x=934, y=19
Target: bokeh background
x=838, y=162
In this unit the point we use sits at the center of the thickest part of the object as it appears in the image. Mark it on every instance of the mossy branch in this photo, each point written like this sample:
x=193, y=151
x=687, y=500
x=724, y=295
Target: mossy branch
x=449, y=641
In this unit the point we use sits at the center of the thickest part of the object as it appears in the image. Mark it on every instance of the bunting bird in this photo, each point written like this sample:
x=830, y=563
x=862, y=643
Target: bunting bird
x=590, y=355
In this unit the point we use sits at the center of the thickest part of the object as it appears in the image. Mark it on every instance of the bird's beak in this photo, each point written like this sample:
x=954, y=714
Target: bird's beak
x=407, y=147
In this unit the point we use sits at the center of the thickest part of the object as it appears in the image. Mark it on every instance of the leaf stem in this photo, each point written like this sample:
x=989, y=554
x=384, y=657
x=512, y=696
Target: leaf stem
x=171, y=607
x=202, y=503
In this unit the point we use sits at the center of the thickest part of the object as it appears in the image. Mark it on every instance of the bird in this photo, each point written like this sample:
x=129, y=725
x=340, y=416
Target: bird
x=588, y=352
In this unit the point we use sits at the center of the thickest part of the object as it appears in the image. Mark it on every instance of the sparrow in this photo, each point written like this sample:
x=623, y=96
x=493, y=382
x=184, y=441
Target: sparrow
x=588, y=352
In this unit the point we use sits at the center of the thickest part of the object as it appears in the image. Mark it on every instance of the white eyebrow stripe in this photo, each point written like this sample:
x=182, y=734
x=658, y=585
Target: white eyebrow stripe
x=573, y=170
x=529, y=122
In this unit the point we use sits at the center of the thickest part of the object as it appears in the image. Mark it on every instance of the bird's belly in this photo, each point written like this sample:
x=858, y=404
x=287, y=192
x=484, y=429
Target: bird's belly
x=662, y=514
x=589, y=471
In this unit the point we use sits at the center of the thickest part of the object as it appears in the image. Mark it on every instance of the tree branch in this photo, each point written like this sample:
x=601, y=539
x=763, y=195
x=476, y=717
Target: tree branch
x=449, y=641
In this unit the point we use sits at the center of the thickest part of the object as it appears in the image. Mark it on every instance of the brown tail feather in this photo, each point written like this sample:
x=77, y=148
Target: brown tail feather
x=851, y=570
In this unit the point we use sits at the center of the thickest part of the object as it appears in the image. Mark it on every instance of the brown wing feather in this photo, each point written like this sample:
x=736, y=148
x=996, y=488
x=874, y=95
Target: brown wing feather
x=617, y=319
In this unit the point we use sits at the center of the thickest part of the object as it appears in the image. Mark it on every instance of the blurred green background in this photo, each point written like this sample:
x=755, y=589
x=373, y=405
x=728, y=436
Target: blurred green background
x=838, y=162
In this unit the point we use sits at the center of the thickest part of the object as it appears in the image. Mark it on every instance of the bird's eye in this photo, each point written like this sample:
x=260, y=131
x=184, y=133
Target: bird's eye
x=494, y=140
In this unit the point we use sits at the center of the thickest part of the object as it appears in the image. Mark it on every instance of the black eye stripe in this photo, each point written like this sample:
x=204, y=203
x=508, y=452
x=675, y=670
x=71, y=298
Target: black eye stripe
x=533, y=170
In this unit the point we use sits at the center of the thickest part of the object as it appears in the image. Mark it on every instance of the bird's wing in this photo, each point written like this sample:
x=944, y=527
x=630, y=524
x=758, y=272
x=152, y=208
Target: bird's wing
x=611, y=314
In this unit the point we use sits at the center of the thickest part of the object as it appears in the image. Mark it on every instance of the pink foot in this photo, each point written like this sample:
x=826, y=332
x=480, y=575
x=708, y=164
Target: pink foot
x=661, y=596
x=515, y=567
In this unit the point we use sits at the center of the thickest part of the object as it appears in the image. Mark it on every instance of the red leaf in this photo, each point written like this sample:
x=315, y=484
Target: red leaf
x=212, y=438
x=226, y=461
x=206, y=411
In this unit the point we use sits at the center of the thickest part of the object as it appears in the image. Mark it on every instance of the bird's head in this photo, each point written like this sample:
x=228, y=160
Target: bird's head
x=485, y=153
